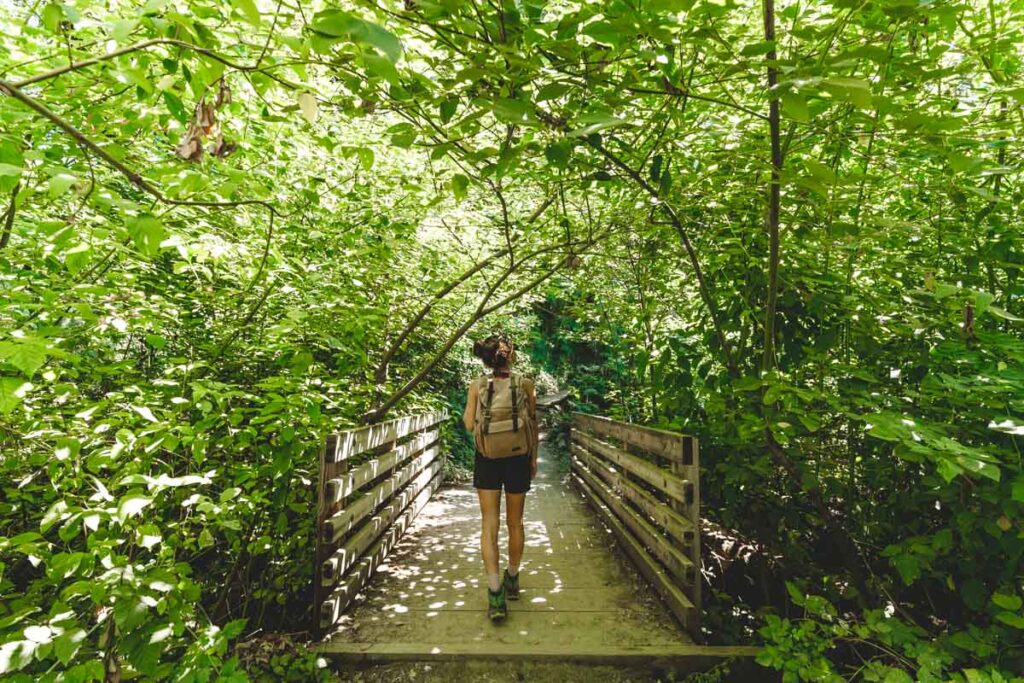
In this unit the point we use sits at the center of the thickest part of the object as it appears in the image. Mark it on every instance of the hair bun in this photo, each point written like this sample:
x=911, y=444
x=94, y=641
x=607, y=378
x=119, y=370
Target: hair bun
x=494, y=351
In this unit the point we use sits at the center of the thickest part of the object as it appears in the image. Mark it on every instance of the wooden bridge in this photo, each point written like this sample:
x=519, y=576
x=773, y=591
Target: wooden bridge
x=400, y=576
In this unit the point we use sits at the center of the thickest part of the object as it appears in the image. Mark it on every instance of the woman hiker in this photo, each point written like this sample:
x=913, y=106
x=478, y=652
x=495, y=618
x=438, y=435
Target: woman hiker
x=501, y=411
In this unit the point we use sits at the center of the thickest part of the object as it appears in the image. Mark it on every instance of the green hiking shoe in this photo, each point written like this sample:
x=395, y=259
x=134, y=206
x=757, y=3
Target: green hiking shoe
x=511, y=585
x=497, y=608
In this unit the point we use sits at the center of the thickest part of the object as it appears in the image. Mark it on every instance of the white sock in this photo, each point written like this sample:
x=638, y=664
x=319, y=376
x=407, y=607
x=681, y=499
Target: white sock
x=494, y=582
x=513, y=572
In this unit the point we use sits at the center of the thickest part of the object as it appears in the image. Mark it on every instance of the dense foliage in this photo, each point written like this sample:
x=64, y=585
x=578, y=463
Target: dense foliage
x=230, y=227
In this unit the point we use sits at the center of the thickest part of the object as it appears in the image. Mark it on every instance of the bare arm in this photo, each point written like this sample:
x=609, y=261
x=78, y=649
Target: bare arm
x=469, y=416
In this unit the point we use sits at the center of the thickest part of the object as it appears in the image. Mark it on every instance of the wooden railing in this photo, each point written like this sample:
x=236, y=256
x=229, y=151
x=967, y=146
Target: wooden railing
x=373, y=482
x=645, y=484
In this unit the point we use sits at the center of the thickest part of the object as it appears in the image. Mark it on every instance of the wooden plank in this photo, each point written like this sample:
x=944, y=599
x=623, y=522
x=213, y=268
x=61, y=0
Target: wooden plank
x=323, y=510
x=661, y=479
x=389, y=622
x=552, y=399
x=671, y=556
x=339, y=487
x=673, y=597
x=349, y=517
x=335, y=604
x=674, y=523
x=344, y=557
x=683, y=657
x=693, y=511
x=355, y=441
x=669, y=445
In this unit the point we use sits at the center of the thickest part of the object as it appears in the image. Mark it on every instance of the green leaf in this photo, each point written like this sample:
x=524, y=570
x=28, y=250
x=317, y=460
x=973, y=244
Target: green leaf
x=795, y=594
x=10, y=171
x=1009, y=602
x=795, y=107
x=748, y=383
x=52, y=16
x=820, y=171
x=1011, y=619
x=16, y=654
x=131, y=505
x=447, y=109
x=145, y=412
x=897, y=676
x=308, y=106
x=60, y=183
x=52, y=515
x=551, y=91
x=383, y=40
x=604, y=33
x=248, y=9
x=338, y=23
x=130, y=612
x=1017, y=491
x=380, y=66
x=147, y=231
x=67, y=644
x=12, y=391
x=175, y=106
x=665, y=183
x=594, y=122
x=656, y=167
x=27, y=354
x=512, y=111
x=77, y=257
x=982, y=300
x=557, y=154
x=908, y=566
x=122, y=30
x=856, y=91
x=1005, y=315
x=460, y=185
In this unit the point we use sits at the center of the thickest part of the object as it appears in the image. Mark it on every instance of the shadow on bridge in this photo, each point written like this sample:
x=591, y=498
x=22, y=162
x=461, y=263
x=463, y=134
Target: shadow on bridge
x=581, y=599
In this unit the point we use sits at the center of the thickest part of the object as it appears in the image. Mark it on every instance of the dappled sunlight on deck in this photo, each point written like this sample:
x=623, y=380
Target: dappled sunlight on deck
x=577, y=590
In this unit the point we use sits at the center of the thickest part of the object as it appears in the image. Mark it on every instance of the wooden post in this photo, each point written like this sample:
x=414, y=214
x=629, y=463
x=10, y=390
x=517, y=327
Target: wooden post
x=689, y=469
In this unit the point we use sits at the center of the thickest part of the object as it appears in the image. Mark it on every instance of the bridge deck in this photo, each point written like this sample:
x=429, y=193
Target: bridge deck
x=580, y=598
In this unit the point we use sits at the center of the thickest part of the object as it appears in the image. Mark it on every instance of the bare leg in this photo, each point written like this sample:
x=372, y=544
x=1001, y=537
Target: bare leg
x=514, y=503
x=490, y=513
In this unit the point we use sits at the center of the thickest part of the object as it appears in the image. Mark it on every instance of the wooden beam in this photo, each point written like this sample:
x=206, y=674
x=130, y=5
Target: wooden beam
x=645, y=662
x=669, y=445
x=350, y=516
x=674, y=523
x=663, y=480
x=671, y=556
x=338, y=601
x=344, y=557
x=674, y=598
x=339, y=487
x=349, y=443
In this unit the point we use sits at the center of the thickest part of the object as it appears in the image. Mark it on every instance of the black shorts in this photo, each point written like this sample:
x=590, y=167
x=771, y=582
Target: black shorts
x=493, y=473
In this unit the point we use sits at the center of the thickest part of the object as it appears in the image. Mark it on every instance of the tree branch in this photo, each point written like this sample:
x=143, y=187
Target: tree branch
x=128, y=49
x=705, y=292
x=9, y=217
x=774, y=199
x=427, y=307
x=136, y=178
x=481, y=312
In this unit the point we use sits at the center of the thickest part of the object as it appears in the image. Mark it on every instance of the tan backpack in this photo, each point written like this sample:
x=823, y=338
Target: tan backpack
x=504, y=427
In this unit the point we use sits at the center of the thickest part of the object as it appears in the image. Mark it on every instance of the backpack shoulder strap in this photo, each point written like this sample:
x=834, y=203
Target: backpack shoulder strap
x=487, y=404
x=513, y=382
